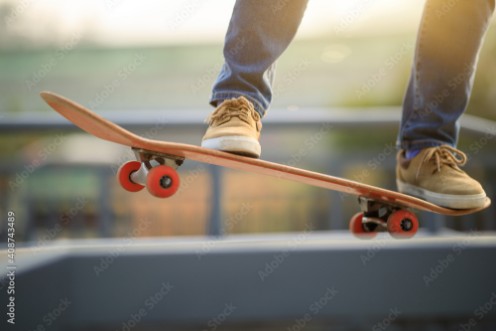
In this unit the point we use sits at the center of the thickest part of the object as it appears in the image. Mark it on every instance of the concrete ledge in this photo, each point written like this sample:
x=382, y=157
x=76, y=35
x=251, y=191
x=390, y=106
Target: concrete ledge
x=285, y=281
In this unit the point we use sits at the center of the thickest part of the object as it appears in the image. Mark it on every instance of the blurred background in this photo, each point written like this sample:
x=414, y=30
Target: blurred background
x=153, y=63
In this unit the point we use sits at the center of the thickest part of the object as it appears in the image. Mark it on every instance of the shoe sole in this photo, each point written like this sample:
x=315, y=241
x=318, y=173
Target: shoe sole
x=452, y=201
x=235, y=144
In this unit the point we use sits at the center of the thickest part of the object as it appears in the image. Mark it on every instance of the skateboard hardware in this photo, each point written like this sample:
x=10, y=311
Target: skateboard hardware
x=157, y=161
x=144, y=155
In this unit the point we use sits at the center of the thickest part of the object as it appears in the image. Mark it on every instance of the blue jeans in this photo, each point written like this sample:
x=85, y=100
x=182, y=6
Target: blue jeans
x=446, y=54
x=448, y=43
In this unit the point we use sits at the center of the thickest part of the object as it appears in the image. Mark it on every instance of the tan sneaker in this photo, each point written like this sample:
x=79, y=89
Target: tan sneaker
x=434, y=175
x=234, y=127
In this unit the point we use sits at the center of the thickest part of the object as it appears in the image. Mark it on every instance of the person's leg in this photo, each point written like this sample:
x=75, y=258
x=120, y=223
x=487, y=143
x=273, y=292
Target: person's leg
x=448, y=43
x=258, y=33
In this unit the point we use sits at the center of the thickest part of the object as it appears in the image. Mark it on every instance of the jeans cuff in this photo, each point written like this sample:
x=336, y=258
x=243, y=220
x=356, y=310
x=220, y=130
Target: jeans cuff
x=421, y=144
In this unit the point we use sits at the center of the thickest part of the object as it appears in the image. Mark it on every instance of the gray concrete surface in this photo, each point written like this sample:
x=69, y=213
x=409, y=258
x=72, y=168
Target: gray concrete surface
x=298, y=281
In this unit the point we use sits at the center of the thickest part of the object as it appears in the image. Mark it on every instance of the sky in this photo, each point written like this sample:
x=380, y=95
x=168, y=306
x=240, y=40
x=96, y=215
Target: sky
x=122, y=22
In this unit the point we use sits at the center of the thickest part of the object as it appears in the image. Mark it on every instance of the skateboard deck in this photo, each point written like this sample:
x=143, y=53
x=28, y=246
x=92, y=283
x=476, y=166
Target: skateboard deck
x=154, y=153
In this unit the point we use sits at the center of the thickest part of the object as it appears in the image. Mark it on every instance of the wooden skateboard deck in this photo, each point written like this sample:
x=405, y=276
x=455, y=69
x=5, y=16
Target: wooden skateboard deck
x=105, y=129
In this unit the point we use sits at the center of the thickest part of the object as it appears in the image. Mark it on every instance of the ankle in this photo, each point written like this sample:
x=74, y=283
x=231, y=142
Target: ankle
x=411, y=153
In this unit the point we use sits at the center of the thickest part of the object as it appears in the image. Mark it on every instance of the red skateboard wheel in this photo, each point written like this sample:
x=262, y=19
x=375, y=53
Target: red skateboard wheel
x=124, y=176
x=402, y=224
x=357, y=228
x=162, y=181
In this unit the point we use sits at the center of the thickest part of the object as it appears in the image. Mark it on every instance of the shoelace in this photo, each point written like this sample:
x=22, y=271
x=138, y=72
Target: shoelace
x=233, y=108
x=445, y=155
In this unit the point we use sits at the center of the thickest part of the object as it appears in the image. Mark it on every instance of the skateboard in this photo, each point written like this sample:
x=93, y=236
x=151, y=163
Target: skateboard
x=156, y=166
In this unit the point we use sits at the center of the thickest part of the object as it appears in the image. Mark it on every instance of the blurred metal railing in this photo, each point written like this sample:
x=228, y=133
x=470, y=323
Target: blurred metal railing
x=189, y=124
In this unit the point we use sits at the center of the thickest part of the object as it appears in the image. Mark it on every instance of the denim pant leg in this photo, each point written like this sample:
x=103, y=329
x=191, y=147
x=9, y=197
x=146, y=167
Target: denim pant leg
x=448, y=43
x=258, y=33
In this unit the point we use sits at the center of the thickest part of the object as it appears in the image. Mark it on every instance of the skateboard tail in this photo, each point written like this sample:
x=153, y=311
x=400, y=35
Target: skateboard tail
x=88, y=121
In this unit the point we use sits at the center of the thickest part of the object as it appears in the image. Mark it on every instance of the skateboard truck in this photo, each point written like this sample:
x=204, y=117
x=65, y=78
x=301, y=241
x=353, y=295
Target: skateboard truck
x=150, y=160
x=156, y=171
x=380, y=216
